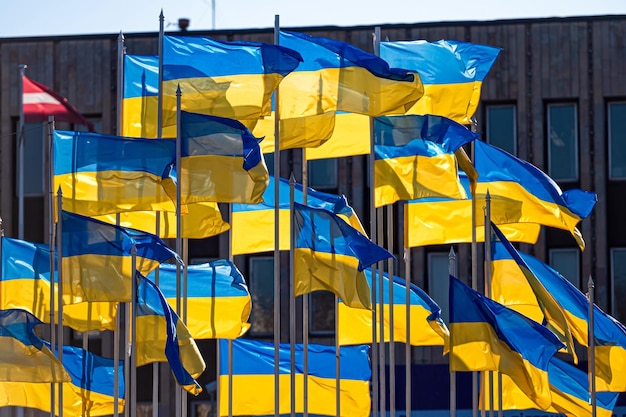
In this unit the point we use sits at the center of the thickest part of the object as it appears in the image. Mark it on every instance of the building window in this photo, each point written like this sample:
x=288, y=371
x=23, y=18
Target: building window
x=34, y=151
x=617, y=140
x=262, y=294
x=323, y=173
x=618, y=281
x=563, y=142
x=501, y=128
x=269, y=161
x=439, y=281
x=567, y=263
x=321, y=313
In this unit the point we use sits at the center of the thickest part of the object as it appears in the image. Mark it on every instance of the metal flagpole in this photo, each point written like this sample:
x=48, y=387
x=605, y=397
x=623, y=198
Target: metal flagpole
x=407, y=347
x=487, y=247
x=592, y=348
x=292, y=298
x=51, y=237
x=392, y=355
x=230, y=342
x=305, y=315
x=179, y=245
x=133, y=335
x=381, y=317
x=452, y=270
x=276, y=237
x=20, y=157
x=60, y=291
x=474, y=278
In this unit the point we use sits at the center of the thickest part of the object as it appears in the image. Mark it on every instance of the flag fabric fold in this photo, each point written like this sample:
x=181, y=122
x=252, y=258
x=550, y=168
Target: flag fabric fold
x=452, y=73
x=253, y=379
x=25, y=284
x=218, y=300
x=25, y=357
x=97, y=258
x=221, y=161
x=487, y=336
x=427, y=327
x=39, y=102
x=163, y=337
x=253, y=224
x=331, y=255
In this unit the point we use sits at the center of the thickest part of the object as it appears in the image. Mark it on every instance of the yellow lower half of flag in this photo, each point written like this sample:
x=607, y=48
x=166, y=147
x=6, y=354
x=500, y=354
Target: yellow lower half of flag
x=254, y=395
x=454, y=101
x=216, y=317
x=355, y=326
x=151, y=338
x=351, y=136
x=297, y=132
x=610, y=365
x=139, y=118
x=322, y=271
x=76, y=402
x=22, y=363
x=253, y=231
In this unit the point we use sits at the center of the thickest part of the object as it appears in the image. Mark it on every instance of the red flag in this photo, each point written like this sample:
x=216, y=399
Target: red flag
x=39, y=102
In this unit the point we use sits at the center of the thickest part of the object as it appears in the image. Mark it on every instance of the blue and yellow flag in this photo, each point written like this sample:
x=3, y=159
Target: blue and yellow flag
x=25, y=284
x=163, y=337
x=487, y=336
x=512, y=288
x=25, y=357
x=97, y=258
x=452, y=73
x=102, y=174
x=225, y=79
x=89, y=393
x=140, y=97
x=427, y=327
x=569, y=388
x=330, y=255
x=253, y=379
x=540, y=199
x=218, y=300
x=253, y=225
x=221, y=161
x=438, y=221
x=415, y=158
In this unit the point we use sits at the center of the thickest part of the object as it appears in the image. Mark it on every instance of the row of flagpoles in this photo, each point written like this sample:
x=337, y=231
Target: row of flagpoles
x=175, y=184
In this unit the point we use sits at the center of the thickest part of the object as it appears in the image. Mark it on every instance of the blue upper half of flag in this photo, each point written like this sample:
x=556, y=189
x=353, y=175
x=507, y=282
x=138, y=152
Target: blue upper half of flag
x=20, y=325
x=22, y=259
x=141, y=76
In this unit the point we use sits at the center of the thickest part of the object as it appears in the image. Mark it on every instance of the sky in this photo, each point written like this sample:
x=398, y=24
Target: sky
x=25, y=18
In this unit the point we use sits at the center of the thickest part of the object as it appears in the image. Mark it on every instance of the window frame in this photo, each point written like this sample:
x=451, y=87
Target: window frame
x=251, y=286
x=612, y=255
x=549, y=152
x=513, y=106
x=576, y=251
x=443, y=304
x=333, y=183
x=610, y=141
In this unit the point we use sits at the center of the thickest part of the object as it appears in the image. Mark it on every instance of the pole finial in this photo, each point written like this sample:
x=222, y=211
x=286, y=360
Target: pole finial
x=590, y=283
x=451, y=254
x=292, y=179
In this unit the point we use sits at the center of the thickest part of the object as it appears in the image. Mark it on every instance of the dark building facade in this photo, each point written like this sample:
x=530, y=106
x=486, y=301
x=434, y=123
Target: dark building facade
x=556, y=97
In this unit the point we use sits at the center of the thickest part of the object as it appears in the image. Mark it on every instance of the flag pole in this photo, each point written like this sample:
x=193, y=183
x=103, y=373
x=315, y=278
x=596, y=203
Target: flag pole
x=20, y=157
x=51, y=237
x=592, y=348
x=487, y=246
x=407, y=347
x=305, y=316
x=392, y=355
x=230, y=341
x=179, y=246
x=60, y=291
x=276, y=237
x=474, y=250
x=452, y=270
x=292, y=297
x=133, y=337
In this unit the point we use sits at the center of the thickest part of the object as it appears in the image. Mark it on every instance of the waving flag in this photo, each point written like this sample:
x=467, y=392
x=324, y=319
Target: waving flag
x=163, y=337
x=331, y=255
x=253, y=224
x=39, y=102
x=218, y=300
x=89, y=393
x=452, y=73
x=97, y=258
x=225, y=79
x=140, y=97
x=25, y=284
x=487, y=336
x=253, y=379
x=427, y=327
x=102, y=174
x=25, y=357
x=221, y=161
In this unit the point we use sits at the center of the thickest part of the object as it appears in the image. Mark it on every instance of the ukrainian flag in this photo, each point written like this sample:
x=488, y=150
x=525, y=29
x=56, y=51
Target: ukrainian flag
x=221, y=161
x=163, y=337
x=427, y=327
x=97, y=258
x=253, y=379
x=540, y=198
x=487, y=336
x=330, y=255
x=510, y=285
x=253, y=224
x=452, y=73
x=25, y=284
x=89, y=393
x=218, y=300
x=225, y=79
x=102, y=174
x=415, y=158
x=25, y=357
x=438, y=221
x=569, y=387
x=140, y=97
